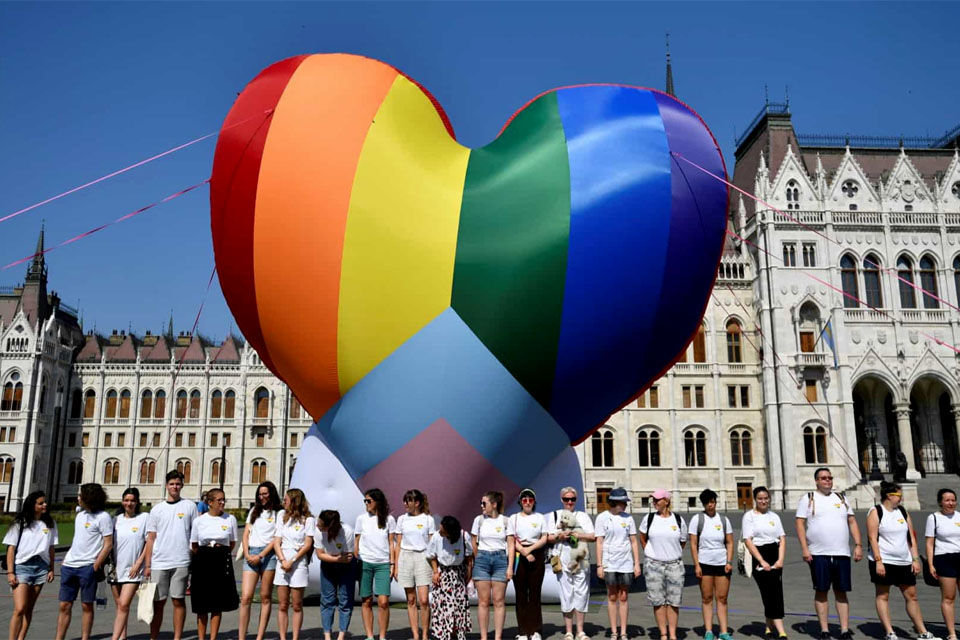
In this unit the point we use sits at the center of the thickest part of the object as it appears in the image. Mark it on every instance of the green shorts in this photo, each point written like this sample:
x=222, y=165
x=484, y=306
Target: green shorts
x=374, y=579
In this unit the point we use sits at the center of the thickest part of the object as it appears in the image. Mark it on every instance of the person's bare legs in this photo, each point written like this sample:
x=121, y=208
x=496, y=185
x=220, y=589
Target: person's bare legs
x=21, y=602
x=296, y=602
x=843, y=609
x=383, y=605
x=366, y=612
x=266, y=602
x=283, y=595
x=64, y=616
x=948, y=593
x=721, y=587
x=412, y=616
x=123, y=593
x=660, y=614
x=34, y=595
x=706, y=602
x=86, y=619
x=673, y=615
x=613, y=606
x=624, y=606
x=423, y=600
x=499, y=590
x=776, y=624
x=913, y=607
x=883, y=606
x=821, y=605
x=157, y=621
x=568, y=621
x=483, y=606
x=248, y=585
x=201, y=626
x=578, y=616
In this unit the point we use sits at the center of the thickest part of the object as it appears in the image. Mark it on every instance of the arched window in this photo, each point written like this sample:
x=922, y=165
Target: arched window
x=216, y=404
x=695, y=448
x=295, y=409
x=258, y=471
x=229, y=404
x=601, y=443
x=76, y=404
x=215, y=472
x=181, y=405
x=146, y=404
x=125, y=403
x=111, y=410
x=194, y=404
x=183, y=466
x=89, y=403
x=648, y=444
x=261, y=403
x=148, y=471
x=871, y=281
x=7, y=402
x=956, y=274
x=111, y=472
x=741, y=451
x=815, y=445
x=160, y=406
x=848, y=280
x=793, y=195
x=908, y=296
x=734, y=344
x=928, y=281
x=700, y=345
x=6, y=470
x=75, y=472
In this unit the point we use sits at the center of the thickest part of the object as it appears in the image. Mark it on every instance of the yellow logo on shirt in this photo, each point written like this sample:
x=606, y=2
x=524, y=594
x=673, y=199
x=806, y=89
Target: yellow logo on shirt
x=900, y=520
x=180, y=515
x=46, y=531
x=717, y=527
x=498, y=529
x=270, y=520
x=419, y=526
x=86, y=525
x=535, y=525
x=296, y=527
x=339, y=546
x=623, y=525
x=771, y=524
x=134, y=529
x=837, y=505
x=674, y=527
x=456, y=552
x=223, y=527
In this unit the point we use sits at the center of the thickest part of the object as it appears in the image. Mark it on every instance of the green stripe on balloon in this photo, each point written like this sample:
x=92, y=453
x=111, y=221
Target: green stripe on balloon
x=511, y=260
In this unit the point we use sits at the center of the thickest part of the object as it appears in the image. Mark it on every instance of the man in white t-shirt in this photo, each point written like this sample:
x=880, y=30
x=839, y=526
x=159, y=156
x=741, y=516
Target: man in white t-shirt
x=823, y=520
x=167, y=561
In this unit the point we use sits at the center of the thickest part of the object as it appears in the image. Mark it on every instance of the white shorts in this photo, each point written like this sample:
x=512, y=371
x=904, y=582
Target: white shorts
x=414, y=569
x=574, y=591
x=298, y=575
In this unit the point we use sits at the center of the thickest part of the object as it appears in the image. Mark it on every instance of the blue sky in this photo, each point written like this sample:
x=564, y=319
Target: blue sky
x=88, y=88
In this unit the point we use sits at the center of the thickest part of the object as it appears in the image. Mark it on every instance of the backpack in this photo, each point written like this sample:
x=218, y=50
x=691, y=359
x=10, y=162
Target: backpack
x=813, y=504
x=701, y=521
x=906, y=519
x=652, y=514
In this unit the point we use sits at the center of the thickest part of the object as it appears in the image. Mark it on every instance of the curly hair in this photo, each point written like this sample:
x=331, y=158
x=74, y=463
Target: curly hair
x=92, y=497
x=299, y=507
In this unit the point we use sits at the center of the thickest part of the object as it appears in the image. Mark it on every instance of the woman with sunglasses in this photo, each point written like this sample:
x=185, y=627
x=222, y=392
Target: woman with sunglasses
x=213, y=586
x=374, y=541
x=528, y=532
x=574, y=584
x=414, y=573
x=491, y=570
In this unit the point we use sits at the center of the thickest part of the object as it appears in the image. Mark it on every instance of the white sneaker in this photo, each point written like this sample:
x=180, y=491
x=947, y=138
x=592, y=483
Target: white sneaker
x=536, y=636
x=891, y=636
x=927, y=636
x=522, y=638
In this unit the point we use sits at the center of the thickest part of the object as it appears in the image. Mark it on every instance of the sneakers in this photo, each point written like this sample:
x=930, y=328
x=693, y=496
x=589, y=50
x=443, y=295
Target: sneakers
x=568, y=636
x=927, y=636
x=726, y=636
x=825, y=635
x=536, y=636
x=708, y=635
x=522, y=638
x=847, y=635
x=891, y=636
x=582, y=636
x=768, y=634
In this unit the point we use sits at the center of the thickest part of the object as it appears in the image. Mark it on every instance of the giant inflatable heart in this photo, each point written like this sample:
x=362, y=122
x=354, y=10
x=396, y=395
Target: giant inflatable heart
x=457, y=318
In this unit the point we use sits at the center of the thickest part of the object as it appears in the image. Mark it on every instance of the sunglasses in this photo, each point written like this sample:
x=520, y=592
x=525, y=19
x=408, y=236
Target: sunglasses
x=527, y=499
x=826, y=477
x=569, y=499
x=898, y=494
x=484, y=503
x=367, y=501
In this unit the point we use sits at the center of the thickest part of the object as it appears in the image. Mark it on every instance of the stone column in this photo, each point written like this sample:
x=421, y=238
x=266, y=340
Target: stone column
x=902, y=411
x=956, y=425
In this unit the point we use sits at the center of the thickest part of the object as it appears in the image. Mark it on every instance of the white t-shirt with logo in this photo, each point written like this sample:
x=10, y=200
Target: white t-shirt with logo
x=36, y=540
x=616, y=531
x=527, y=528
x=374, y=541
x=583, y=522
x=416, y=531
x=828, y=533
x=947, y=532
x=665, y=537
x=449, y=554
x=892, y=539
x=712, y=544
x=762, y=528
x=341, y=543
x=129, y=539
x=491, y=533
x=89, y=531
x=209, y=530
x=261, y=531
x=293, y=533
x=172, y=522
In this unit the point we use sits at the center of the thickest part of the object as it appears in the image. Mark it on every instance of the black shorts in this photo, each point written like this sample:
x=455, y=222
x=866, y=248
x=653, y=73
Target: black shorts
x=897, y=575
x=947, y=565
x=714, y=570
x=831, y=570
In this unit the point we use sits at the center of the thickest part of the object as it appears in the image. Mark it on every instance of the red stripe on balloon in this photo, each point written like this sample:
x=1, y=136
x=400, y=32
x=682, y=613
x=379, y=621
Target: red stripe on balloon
x=233, y=189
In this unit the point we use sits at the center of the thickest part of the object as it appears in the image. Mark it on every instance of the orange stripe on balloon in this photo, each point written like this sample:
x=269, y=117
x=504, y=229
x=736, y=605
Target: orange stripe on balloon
x=303, y=195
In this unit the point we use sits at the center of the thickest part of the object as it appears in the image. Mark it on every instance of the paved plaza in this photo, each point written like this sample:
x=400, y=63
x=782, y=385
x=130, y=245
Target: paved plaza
x=746, y=611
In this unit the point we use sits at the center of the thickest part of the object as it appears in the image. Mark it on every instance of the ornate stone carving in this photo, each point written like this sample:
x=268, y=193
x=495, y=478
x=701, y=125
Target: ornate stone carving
x=855, y=336
x=882, y=336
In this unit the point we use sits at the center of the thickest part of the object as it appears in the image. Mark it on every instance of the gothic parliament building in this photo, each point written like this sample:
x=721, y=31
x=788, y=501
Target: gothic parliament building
x=765, y=393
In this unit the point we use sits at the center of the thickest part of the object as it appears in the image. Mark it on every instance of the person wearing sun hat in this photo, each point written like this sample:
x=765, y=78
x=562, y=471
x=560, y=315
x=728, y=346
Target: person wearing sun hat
x=618, y=558
x=663, y=535
x=529, y=532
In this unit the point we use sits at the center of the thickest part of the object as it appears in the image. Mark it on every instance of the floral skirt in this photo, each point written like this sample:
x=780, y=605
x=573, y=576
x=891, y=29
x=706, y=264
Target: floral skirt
x=450, y=606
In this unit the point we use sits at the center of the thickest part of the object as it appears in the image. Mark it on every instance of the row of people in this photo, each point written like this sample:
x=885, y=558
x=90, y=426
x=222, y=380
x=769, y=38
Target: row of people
x=280, y=539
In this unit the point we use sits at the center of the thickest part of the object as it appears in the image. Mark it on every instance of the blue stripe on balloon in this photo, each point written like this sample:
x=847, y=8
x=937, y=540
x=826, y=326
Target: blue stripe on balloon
x=619, y=224
x=698, y=222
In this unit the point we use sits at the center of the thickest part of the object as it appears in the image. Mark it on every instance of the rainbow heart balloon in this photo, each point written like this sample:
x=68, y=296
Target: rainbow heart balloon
x=457, y=318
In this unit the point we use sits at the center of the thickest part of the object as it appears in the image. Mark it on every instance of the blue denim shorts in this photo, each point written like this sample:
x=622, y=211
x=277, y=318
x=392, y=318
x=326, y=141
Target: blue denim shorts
x=33, y=571
x=269, y=563
x=490, y=566
x=80, y=580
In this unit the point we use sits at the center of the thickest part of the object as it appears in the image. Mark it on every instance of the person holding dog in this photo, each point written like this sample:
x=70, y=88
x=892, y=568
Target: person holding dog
x=663, y=535
x=568, y=529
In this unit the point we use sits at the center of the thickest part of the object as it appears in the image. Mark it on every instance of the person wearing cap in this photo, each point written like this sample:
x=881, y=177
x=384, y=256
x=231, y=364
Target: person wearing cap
x=618, y=558
x=574, y=585
x=711, y=545
x=528, y=531
x=663, y=535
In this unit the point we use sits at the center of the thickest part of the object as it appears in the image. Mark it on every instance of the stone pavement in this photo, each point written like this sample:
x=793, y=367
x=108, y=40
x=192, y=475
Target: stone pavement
x=746, y=611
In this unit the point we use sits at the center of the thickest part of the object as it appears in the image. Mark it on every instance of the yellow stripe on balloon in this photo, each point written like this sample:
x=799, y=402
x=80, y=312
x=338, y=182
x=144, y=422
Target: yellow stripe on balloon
x=401, y=235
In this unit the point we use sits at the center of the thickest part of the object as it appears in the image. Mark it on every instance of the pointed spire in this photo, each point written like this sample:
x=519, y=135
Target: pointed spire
x=37, y=267
x=820, y=177
x=669, y=88
x=170, y=325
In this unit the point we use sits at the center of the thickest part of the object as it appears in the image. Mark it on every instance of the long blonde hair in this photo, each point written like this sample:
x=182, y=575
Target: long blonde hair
x=299, y=507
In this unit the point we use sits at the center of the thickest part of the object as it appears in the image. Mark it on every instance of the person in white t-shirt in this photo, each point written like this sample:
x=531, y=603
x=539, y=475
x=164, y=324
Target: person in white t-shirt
x=943, y=553
x=618, y=558
x=31, y=541
x=129, y=555
x=763, y=536
x=451, y=558
x=82, y=568
x=711, y=545
x=259, y=559
x=168, y=554
x=414, y=574
x=528, y=530
x=213, y=586
x=574, y=584
x=491, y=568
x=823, y=519
x=334, y=544
x=293, y=543
x=373, y=539
x=663, y=535
x=894, y=559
